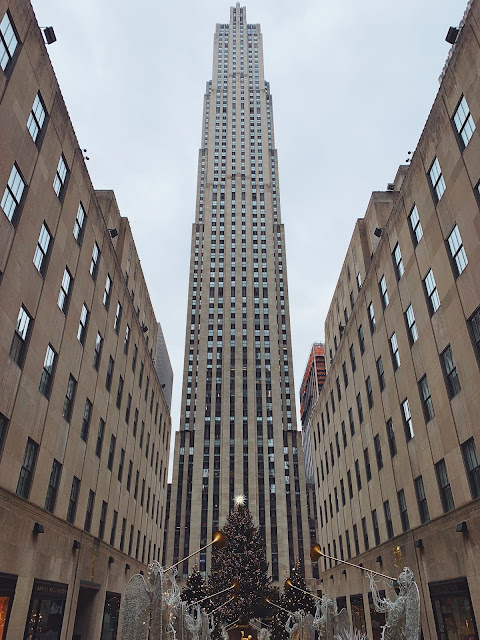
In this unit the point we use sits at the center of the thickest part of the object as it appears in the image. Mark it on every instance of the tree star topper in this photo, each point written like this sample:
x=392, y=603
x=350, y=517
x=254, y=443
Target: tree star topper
x=240, y=500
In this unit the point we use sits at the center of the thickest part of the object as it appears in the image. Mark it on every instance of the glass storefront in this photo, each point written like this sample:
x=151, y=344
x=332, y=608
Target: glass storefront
x=453, y=611
x=110, y=616
x=378, y=619
x=7, y=592
x=45, y=615
x=358, y=613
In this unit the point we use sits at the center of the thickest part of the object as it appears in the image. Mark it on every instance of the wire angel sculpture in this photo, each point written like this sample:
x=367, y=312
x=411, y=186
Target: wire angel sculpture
x=329, y=622
x=299, y=626
x=146, y=610
x=402, y=615
x=264, y=634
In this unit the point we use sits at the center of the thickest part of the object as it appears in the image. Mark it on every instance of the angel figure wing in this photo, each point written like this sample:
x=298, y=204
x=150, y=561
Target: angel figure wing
x=135, y=609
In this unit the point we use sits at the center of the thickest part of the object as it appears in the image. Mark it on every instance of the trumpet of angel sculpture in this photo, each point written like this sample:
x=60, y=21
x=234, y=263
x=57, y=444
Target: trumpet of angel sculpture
x=402, y=615
x=299, y=626
x=146, y=612
x=329, y=622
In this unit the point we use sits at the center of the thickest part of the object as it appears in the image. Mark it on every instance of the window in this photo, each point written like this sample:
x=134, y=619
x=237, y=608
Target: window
x=108, y=380
x=421, y=500
x=361, y=339
x=344, y=366
x=79, y=224
x=359, y=281
x=402, y=505
x=60, y=180
x=134, y=359
x=368, y=385
x=118, y=317
x=52, y=489
x=398, y=262
x=107, y=291
x=358, y=475
x=378, y=451
x=65, y=288
x=411, y=325
x=113, y=530
x=140, y=377
x=426, y=398
x=360, y=408
x=119, y=392
x=457, y=251
x=36, y=118
x=407, y=420
x=371, y=317
x=26, y=471
x=82, y=325
x=388, y=519
x=352, y=424
x=103, y=519
x=129, y=475
x=126, y=342
x=97, y=354
x=3, y=431
x=381, y=374
x=111, y=452
x=89, y=511
x=40, y=258
x=73, y=501
x=344, y=435
x=383, y=292
x=394, y=351
x=391, y=438
x=121, y=465
x=431, y=291
x=355, y=539
x=376, y=530
x=339, y=390
x=472, y=466
x=47, y=372
x=368, y=468
x=349, y=482
x=436, y=180
x=450, y=372
x=463, y=122
x=365, y=534
x=69, y=398
x=444, y=488
x=100, y=434
x=128, y=408
x=8, y=41
x=415, y=226
x=87, y=414
x=94, y=261
x=352, y=358
x=12, y=196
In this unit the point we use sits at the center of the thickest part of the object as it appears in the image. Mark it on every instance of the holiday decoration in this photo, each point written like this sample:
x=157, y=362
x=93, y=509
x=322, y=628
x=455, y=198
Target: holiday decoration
x=195, y=588
x=402, y=615
x=328, y=621
x=295, y=597
x=299, y=626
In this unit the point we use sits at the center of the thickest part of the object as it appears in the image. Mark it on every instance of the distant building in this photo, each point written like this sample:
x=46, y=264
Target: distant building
x=312, y=383
x=397, y=437
x=84, y=427
x=163, y=366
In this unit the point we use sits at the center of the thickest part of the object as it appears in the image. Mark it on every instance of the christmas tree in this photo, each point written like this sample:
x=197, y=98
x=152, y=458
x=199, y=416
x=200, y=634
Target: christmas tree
x=243, y=559
x=292, y=600
x=195, y=588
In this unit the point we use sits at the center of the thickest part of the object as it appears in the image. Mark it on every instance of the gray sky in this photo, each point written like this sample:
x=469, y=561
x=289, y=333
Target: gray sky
x=352, y=85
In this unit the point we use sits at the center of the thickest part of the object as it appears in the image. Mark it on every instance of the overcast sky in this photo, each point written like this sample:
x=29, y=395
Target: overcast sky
x=352, y=85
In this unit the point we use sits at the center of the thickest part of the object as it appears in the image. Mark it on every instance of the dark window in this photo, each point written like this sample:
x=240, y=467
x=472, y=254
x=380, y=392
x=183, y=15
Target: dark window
x=421, y=500
x=426, y=399
x=402, y=505
x=378, y=451
x=100, y=434
x=113, y=531
x=368, y=386
x=87, y=414
x=450, y=372
x=121, y=464
x=3, y=431
x=344, y=434
x=342, y=491
x=352, y=358
x=391, y=437
x=355, y=539
x=40, y=258
x=111, y=452
x=134, y=358
x=359, y=408
x=47, y=373
x=444, y=488
x=119, y=392
x=358, y=475
x=69, y=398
x=89, y=512
x=140, y=376
x=103, y=519
x=371, y=317
x=126, y=342
x=349, y=482
x=388, y=519
x=365, y=534
x=128, y=408
x=97, y=354
x=339, y=391
x=472, y=466
x=52, y=489
x=361, y=339
x=129, y=475
x=108, y=379
x=73, y=501
x=21, y=336
x=368, y=469
x=94, y=261
x=352, y=424
x=381, y=374
x=376, y=529
x=344, y=367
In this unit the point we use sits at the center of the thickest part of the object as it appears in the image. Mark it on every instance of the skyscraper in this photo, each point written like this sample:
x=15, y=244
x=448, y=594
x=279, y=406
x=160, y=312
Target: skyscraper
x=238, y=426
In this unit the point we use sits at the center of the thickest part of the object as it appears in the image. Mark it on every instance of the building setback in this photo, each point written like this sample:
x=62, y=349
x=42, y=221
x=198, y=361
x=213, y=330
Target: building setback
x=396, y=424
x=84, y=427
x=238, y=430
x=163, y=366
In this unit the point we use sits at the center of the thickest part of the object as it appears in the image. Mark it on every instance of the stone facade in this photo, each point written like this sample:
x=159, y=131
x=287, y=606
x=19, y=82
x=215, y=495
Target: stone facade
x=395, y=479
x=84, y=427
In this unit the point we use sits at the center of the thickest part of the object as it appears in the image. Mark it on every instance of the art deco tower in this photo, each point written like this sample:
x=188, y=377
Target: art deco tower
x=238, y=431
